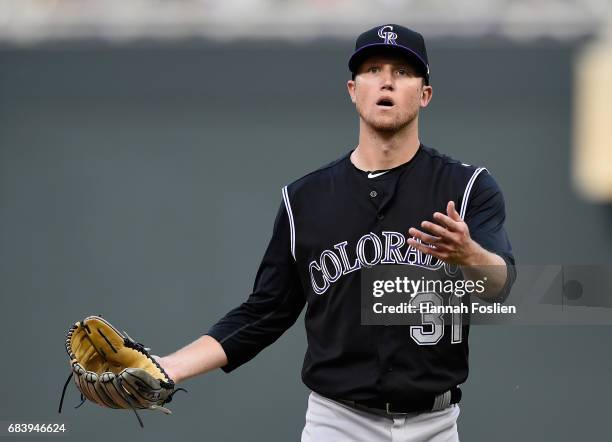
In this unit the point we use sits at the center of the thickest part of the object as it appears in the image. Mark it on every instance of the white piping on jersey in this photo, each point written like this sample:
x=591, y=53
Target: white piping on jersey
x=290, y=216
x=292, y=229
x=468, y=189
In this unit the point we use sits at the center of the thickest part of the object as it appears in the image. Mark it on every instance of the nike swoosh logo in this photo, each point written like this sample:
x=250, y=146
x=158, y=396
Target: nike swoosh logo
x=374, y=175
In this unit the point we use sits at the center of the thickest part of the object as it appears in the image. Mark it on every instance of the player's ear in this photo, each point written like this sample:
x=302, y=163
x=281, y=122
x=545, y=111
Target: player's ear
x=426, y=94
x=350, y=85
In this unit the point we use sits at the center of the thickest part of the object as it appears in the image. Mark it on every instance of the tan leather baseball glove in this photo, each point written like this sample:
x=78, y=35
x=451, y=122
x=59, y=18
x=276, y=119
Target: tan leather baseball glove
x=114, y=371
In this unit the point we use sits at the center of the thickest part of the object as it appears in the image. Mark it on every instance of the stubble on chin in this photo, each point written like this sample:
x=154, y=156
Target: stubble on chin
x=389, y=125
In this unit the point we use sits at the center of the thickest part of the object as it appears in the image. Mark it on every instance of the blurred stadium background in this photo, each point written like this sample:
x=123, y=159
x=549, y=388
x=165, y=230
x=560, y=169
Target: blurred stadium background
x=143, y=144
x=117, y=20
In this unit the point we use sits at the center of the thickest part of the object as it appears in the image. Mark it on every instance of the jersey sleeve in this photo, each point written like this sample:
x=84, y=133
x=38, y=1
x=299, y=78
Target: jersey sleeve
x=274, y=305
x=485, y=217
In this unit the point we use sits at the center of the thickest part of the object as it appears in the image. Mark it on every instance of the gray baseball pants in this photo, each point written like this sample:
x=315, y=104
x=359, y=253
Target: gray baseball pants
x=331, y=421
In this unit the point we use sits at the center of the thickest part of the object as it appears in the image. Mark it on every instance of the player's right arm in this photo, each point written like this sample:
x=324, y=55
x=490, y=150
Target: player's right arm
x=274, y=305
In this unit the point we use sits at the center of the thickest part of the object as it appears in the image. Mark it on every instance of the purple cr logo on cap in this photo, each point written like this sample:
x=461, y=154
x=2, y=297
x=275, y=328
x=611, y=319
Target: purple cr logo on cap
x=389, y=36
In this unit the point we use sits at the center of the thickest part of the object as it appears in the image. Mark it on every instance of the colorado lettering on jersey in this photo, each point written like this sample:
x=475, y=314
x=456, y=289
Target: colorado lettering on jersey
x=370, y=250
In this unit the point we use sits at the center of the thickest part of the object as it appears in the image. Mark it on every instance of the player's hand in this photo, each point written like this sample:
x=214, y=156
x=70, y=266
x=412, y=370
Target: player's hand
x=449, y=240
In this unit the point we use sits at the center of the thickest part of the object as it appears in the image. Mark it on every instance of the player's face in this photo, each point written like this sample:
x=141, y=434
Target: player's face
x=388, y=92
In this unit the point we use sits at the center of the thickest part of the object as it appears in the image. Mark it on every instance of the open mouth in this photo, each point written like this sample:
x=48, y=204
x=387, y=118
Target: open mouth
x=385, y=102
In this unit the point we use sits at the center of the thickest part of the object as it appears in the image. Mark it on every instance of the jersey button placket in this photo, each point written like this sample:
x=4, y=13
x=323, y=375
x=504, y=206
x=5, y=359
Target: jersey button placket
x=379, y=215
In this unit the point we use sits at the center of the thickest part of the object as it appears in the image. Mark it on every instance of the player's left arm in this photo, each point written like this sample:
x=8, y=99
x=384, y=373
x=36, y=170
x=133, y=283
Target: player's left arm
x=478, y=243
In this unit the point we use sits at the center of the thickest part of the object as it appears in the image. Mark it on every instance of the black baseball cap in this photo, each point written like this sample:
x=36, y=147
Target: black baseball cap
x=391, y=38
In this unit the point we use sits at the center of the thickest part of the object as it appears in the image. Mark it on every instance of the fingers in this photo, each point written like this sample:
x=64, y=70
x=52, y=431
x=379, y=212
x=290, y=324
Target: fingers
x=429, y=250
x=452, y=212
x=447, y=222
x=424, y=237
x=452, y=221
x=436, y=230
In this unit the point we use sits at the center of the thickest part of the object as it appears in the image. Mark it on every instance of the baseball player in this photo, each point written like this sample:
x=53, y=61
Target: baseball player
x=390, y=200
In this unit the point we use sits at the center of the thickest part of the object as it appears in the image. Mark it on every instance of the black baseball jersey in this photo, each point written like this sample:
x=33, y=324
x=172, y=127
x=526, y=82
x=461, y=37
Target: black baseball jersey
x=333, y=223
